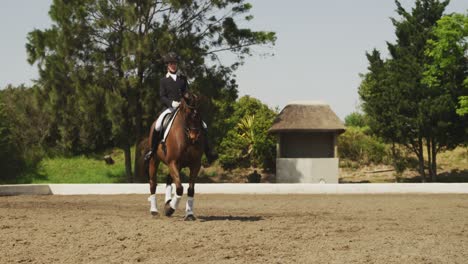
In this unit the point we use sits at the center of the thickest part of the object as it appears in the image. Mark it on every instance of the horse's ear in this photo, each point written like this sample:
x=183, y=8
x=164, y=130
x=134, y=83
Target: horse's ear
x=186, y=96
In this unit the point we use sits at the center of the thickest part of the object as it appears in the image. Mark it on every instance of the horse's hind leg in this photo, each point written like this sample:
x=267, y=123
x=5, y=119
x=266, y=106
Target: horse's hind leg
x=152, y=168
x=189, y=216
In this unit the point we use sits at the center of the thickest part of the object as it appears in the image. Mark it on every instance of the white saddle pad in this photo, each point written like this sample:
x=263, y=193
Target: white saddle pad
x=169, y=126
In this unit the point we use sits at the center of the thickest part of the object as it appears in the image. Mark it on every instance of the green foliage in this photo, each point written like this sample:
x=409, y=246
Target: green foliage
x=25, y=127
x=447, y=69
x=463, y=109
x=247, y=142
x=29, y=124
x=447, y=82
x=411, y=98
x=10, y=162
x=356, y=145
x=356, y=119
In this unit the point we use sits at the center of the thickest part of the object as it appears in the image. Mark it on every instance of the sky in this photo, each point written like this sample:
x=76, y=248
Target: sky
x=318, y=56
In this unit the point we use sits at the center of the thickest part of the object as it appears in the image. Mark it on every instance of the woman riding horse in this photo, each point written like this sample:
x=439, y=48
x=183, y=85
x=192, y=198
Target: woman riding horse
x=181, y=145
x=171, y=89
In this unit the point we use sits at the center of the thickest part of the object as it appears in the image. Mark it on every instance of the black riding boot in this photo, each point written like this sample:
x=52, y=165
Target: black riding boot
x=154, y=145
x=210, y=155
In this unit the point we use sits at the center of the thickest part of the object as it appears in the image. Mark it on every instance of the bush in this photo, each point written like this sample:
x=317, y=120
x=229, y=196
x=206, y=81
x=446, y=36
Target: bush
x=362, y=148
x=247, y=143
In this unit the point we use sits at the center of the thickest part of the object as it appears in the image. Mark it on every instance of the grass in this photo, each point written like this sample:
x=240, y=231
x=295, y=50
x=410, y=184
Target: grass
x=79, y=169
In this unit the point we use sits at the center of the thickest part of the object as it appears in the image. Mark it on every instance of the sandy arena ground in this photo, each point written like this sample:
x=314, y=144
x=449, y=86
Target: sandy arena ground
x=236, y=229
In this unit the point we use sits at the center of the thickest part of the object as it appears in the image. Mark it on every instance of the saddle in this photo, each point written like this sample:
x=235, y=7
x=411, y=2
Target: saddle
x=166, y=123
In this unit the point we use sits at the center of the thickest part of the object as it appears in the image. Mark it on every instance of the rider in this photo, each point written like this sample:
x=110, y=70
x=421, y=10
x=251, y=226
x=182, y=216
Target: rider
x=171, y=89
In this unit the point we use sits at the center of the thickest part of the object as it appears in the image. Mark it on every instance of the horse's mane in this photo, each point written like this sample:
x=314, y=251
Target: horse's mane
x=190, y=100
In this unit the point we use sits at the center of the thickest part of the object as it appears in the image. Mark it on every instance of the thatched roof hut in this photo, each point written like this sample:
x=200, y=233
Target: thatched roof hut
x=307, y=135
x=307, y=116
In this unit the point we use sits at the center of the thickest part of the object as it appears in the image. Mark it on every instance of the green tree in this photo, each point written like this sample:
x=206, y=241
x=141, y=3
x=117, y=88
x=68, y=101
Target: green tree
x=394, y=96
x=10, y=162
x=446, y=81
x=115, y=48
x=69, y=80
x=28, y=122
x=248, y=143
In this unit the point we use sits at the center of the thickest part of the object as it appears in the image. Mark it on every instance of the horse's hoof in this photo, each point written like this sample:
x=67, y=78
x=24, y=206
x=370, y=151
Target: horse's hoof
x=154, y=214
x=168, y=209
x=190, y=217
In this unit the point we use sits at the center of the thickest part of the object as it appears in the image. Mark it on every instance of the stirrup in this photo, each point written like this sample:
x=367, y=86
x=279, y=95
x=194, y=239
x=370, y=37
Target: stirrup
x=148, y=155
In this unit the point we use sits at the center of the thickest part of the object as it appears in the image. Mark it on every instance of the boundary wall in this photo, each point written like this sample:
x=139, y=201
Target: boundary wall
x=240, y=188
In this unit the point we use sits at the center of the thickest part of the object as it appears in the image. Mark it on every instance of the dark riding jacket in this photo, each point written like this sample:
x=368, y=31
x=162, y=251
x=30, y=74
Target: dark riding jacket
x=170, y=90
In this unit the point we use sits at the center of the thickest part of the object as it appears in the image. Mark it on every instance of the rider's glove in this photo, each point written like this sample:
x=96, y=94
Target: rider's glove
x=175, y=104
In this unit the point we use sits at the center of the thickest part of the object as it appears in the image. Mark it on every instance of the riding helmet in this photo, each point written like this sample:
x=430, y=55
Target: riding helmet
x=171, y=57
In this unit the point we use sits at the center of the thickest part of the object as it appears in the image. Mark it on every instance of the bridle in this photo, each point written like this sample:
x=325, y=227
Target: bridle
x=193, y=128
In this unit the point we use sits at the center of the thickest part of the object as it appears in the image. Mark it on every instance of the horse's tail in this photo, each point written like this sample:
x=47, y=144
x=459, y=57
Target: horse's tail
x=143, y=170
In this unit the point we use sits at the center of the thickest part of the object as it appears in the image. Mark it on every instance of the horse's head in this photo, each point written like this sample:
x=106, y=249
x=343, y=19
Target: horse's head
x=193, y=123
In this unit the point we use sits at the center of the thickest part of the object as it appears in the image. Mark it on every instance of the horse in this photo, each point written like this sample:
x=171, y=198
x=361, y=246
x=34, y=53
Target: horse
x=183, y=148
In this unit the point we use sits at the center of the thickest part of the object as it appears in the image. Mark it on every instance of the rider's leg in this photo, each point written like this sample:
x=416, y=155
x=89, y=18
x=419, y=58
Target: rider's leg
x=156, y=133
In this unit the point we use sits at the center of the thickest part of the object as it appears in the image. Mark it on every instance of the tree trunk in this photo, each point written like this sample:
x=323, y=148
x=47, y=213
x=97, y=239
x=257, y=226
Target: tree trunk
x=434, y=161
x=128, y=164
x=421, y=159
x=394, y=161
x=429, y=159
x=138, y=119
x=138, y=138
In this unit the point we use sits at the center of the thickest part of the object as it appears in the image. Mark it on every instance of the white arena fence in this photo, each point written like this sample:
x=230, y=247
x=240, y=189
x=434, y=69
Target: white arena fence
x=239, y=188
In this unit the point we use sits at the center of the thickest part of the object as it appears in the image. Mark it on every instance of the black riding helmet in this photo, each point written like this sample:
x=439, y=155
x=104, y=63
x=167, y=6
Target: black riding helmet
x=171, y=57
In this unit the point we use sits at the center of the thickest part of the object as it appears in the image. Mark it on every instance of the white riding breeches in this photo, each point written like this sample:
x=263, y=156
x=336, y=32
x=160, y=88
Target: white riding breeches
x=158, y=125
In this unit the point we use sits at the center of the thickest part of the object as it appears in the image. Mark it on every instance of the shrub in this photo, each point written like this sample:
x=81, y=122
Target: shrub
x=247, y=143
x=362, y=148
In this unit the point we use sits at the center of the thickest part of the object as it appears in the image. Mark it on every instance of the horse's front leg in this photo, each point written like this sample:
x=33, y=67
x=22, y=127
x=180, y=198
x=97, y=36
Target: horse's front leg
x=189, y=216
x=171, y=205
x=152, y=167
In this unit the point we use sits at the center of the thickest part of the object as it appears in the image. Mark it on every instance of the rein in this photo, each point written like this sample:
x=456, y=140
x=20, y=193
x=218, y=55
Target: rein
x=189, y=129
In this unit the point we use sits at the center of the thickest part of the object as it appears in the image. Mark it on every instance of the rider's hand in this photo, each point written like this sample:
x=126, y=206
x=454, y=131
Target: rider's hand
x=175, y=104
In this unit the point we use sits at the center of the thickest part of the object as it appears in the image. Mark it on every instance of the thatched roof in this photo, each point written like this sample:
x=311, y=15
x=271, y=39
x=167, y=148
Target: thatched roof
x=307, y=116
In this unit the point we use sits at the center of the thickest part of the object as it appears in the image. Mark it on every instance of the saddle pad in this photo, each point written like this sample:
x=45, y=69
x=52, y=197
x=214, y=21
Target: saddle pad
x=167, y=126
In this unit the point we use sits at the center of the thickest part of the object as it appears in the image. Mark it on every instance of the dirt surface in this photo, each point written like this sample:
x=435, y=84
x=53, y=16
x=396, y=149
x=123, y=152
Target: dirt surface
x=236, y=229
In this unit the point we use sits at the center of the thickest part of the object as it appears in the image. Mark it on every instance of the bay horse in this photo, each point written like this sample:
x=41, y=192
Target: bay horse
x=184, y=148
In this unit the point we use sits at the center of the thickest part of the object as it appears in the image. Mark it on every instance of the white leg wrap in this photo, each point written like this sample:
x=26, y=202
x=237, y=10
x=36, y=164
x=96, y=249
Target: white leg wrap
x=189, y=206
x=168, y=193
x=175, y=202
x=153, y=207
